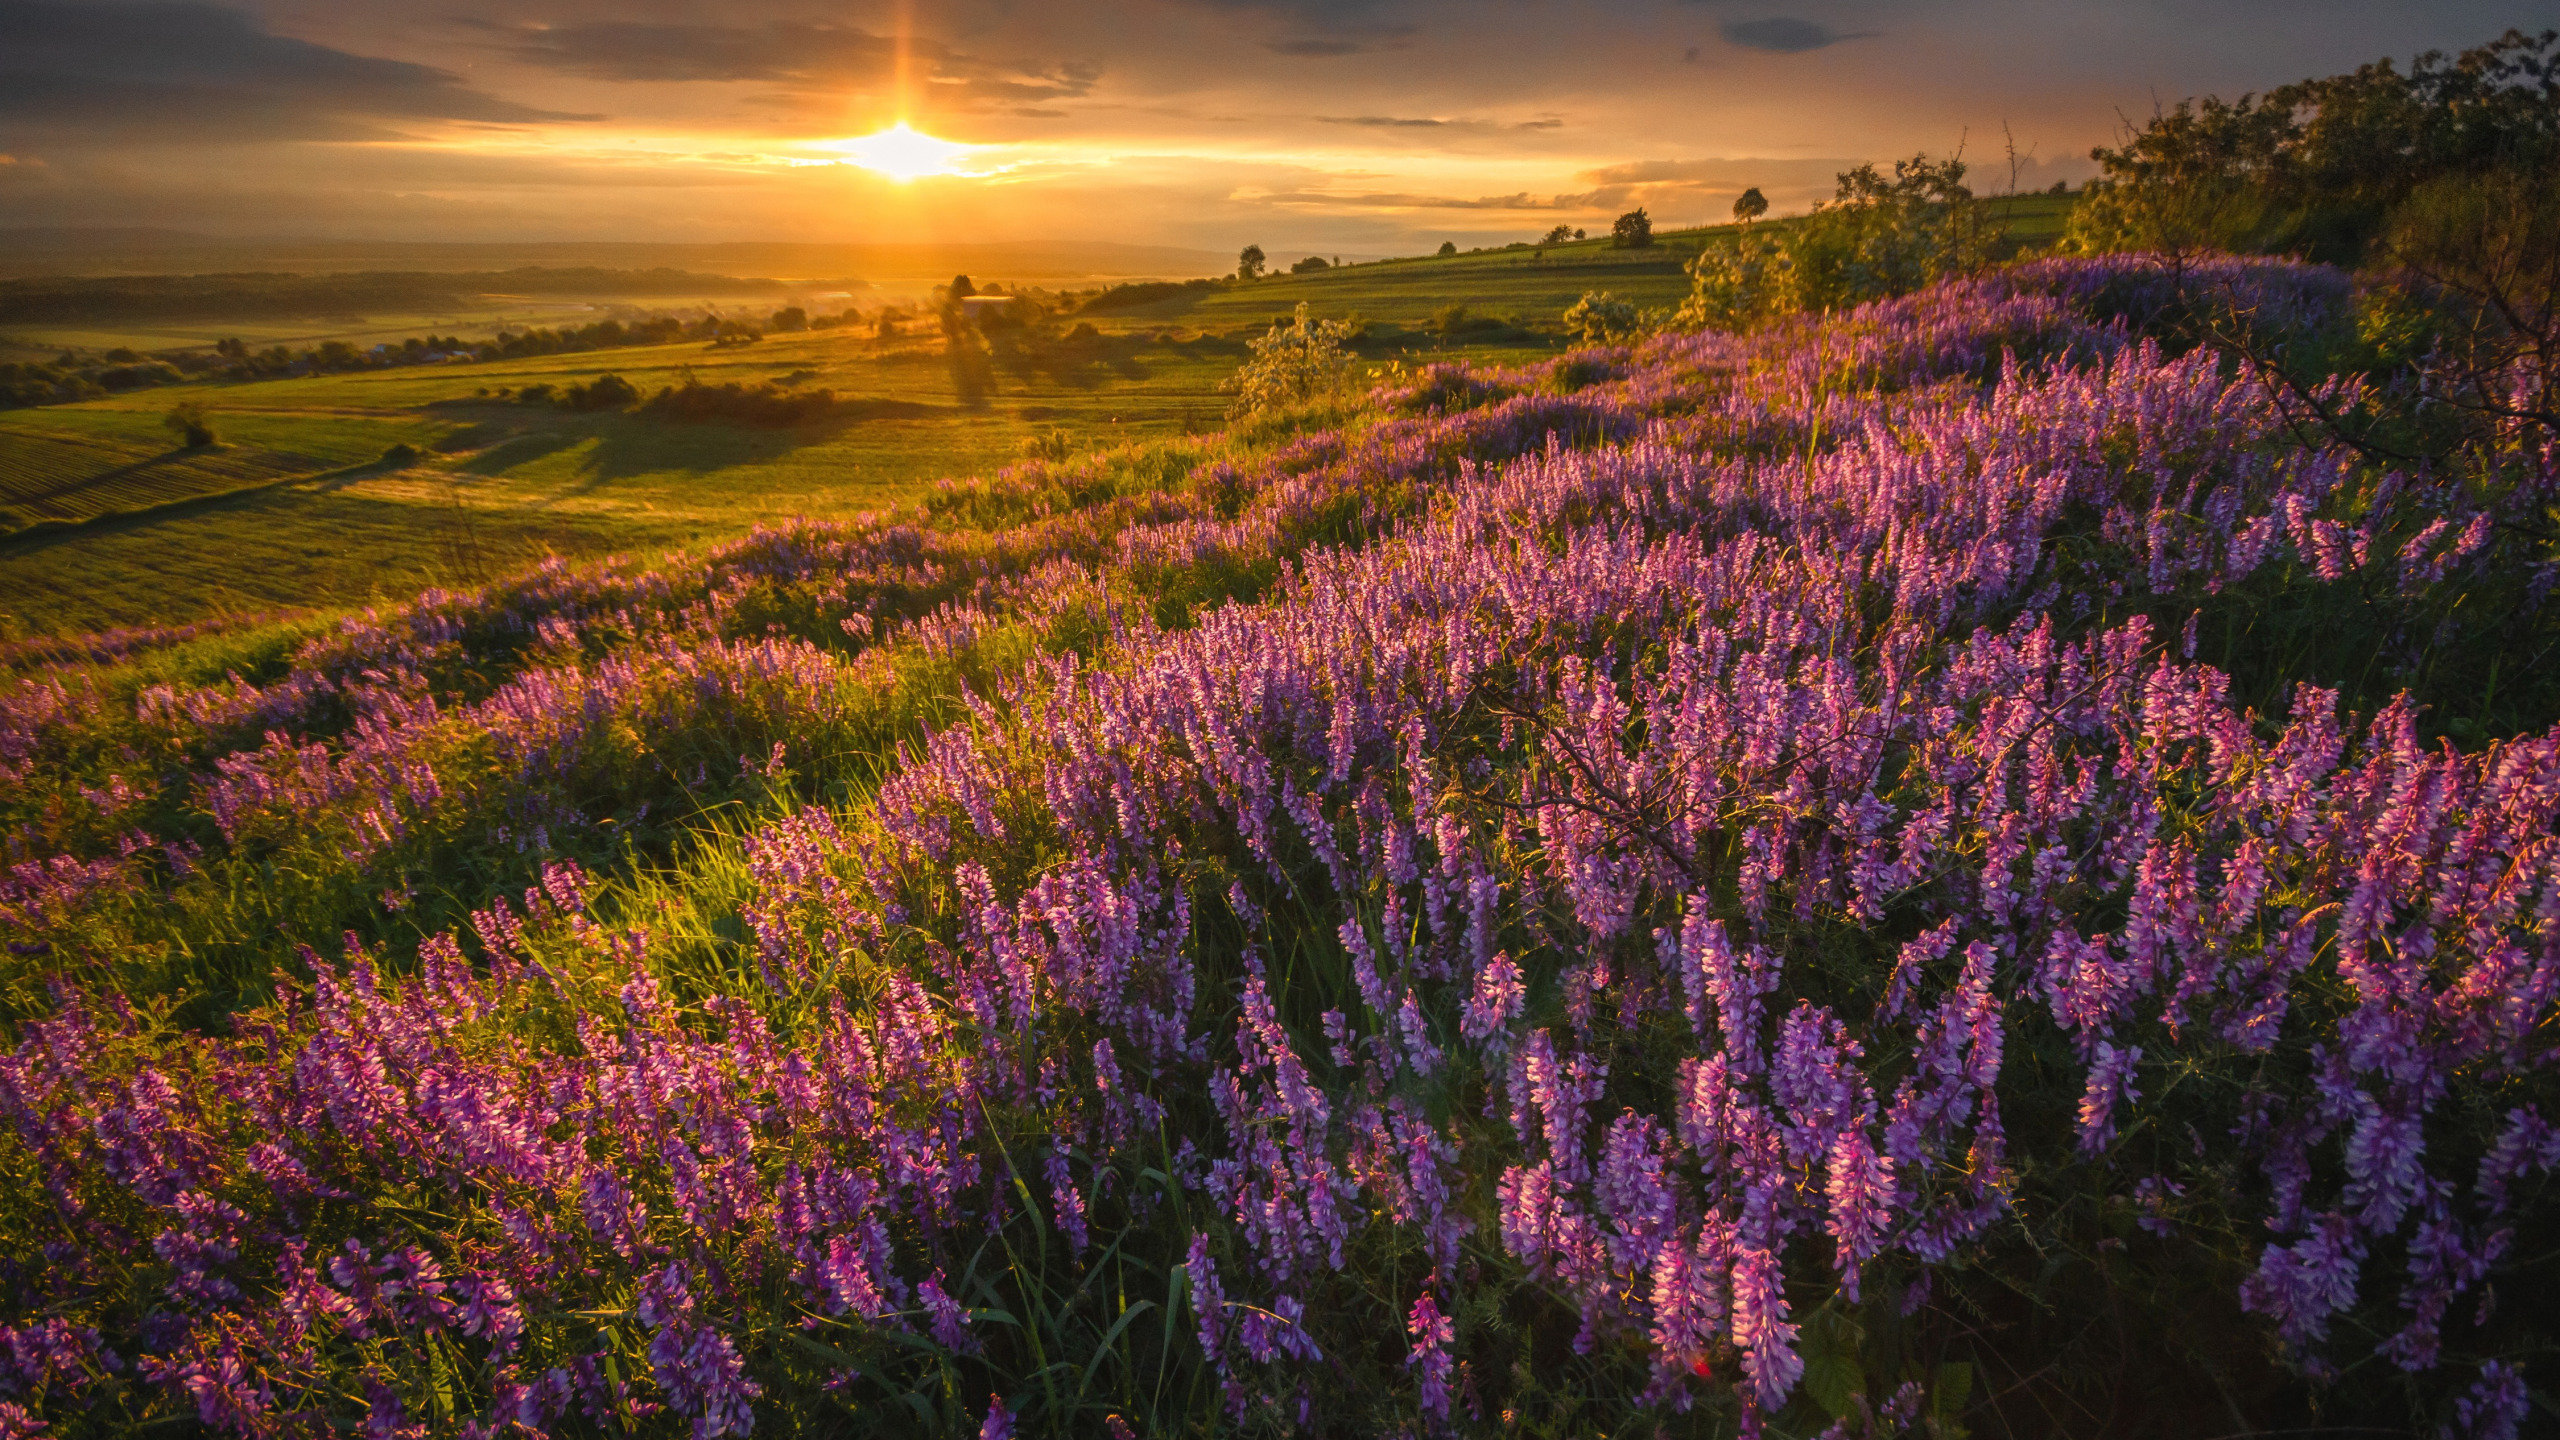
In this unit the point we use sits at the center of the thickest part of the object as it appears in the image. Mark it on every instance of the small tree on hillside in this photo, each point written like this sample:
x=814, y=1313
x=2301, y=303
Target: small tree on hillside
x=187, y=420
x=1750, y=205
x=1249, y=262
x=1557, y=236
x=1448, y=247
x=1634, y=230
x=1600, y=318
x=1293, y=364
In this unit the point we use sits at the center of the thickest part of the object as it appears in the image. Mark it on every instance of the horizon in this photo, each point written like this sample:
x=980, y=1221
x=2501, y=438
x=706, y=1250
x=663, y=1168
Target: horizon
x=1319, y=126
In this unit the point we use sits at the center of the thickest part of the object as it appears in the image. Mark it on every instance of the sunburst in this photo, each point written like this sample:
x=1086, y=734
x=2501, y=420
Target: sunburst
x=904, y=153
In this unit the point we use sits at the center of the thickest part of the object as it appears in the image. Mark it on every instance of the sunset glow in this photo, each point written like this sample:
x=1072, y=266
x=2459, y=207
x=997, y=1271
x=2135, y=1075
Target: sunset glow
x=903, y=153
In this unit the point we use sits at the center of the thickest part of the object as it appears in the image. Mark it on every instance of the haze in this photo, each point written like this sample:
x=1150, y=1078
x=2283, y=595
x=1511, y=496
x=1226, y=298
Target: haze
x=1337, y=125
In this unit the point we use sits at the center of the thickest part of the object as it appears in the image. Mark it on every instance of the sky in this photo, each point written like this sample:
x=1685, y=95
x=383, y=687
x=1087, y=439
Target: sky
x=1350, y=127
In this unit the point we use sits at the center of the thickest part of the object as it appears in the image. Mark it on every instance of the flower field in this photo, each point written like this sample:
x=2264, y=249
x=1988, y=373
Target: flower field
x=1976, y=865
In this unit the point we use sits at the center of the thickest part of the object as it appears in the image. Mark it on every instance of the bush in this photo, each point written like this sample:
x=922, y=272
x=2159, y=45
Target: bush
x=1600, y=318
x=605, y=392
x=1877, y=238
x=1309, y=265
x=765, y=405
x=188, y=422
x=2317, y=167
x=1293, y=364
x=1447, y=248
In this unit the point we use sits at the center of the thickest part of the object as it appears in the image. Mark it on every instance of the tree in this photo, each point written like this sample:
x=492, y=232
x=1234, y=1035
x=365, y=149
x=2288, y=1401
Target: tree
x=961, y=289
x=1577, y=232
x=1309, y=265
x=790, y=317
x=1558, y=235
x=1634, y=230
x=1448, y=247
x=2317, y=167
x=1249, y=262
x=187, y=420
x=1750, y=205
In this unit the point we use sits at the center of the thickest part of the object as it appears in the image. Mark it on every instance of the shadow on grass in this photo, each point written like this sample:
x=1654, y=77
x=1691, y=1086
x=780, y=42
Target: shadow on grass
x=640, y=444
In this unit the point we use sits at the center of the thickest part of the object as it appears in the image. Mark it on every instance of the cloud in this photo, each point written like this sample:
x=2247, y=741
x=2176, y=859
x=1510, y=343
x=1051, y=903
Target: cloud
x=1783, y=35
x=190, y=71
x=1392, y=122
x=824, y=56
x=1313, y=49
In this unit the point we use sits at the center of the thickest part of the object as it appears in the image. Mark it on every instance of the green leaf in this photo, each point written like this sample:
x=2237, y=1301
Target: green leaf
x=1947, y=1400
x=1833, y=1375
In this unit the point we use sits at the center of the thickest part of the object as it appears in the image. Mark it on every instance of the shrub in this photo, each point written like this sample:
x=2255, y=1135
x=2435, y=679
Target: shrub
x=1877, y=238
x=765, y=404
x=1600, y=318
x=605, y=392
x=1304, y=360
x=2318, y=166
x=188, y=422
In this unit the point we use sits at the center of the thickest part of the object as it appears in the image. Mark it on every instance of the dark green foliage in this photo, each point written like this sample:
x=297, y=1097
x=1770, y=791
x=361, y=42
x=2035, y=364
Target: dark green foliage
x=764, y=405
x=187, y=421
x=1144, y=292
x=2317, y=167
x=1633, y=230
x=605, y=392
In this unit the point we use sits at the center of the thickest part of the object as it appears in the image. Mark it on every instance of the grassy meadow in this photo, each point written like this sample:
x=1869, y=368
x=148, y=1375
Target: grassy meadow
x=296, y=508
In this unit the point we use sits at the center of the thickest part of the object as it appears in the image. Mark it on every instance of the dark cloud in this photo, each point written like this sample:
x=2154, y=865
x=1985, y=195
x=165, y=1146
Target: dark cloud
x=189, y=71
x=1418, y=122
x=1315, y=49
x=1323, y=29
x=817, y=55
x=1783, y=35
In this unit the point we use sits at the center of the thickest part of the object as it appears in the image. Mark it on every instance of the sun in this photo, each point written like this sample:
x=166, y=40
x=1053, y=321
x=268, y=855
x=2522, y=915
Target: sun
x=903, y=153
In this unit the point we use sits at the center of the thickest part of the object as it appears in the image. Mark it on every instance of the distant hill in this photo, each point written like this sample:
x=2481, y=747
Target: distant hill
x=53, y=251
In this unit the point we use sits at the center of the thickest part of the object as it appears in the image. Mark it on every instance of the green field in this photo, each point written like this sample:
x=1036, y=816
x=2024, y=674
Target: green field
x=109, y=524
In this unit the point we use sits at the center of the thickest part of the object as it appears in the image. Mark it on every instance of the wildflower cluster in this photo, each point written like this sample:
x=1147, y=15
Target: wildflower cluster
x=1660, y=883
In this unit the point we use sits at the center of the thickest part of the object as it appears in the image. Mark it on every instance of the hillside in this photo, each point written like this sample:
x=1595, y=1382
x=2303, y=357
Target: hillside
x=1951, y=864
